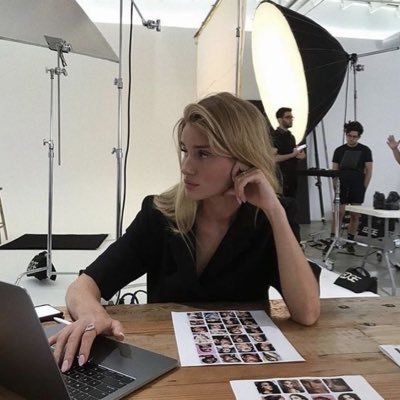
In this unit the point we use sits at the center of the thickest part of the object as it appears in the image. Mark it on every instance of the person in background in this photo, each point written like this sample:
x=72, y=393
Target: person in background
x=286, y=152
x=354, y=161
x=394, y=145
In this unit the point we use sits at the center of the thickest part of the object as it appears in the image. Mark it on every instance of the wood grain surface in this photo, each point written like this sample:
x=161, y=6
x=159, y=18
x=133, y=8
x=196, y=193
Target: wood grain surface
x=343, y=342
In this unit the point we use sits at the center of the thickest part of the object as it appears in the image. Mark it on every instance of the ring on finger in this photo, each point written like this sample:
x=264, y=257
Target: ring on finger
x=89, y=327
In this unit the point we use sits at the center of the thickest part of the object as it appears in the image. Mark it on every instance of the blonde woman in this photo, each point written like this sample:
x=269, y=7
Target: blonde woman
x=220, y=234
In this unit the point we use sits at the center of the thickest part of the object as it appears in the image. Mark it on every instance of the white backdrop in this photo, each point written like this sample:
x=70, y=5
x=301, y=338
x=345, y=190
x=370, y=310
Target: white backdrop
x=217, y=61
x=164, y=67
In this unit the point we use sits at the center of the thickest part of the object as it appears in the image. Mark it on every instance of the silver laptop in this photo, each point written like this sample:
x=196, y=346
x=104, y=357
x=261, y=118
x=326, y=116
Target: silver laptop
x=28, y=368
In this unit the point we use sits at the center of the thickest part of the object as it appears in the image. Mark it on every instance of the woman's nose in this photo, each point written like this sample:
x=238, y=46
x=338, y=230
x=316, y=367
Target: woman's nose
x=187, y=166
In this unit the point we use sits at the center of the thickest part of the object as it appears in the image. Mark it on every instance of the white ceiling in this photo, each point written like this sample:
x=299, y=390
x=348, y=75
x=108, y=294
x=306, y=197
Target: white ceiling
x=343, y=18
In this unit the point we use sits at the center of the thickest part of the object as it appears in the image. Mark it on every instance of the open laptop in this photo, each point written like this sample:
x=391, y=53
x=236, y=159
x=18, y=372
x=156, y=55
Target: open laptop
x=28, y=368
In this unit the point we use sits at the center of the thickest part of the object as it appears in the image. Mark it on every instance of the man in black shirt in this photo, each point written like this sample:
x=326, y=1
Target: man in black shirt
x=354, y=160
x=287, y=153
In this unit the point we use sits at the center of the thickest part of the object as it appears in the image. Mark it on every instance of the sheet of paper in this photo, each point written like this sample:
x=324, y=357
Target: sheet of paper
x=347, y=387
x=392, y=351
x=230, y=337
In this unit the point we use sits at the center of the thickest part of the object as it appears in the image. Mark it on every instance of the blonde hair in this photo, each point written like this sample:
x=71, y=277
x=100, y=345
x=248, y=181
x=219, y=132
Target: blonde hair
x=233, y=127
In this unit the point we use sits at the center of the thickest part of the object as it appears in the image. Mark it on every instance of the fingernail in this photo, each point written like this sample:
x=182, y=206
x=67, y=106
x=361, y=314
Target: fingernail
x=238, y=200
x=64, y=366
x=121, y=335
x=81, y=360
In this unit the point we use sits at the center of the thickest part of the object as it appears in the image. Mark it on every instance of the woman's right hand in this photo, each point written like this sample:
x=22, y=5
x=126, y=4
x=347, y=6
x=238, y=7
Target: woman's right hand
x=77, y=338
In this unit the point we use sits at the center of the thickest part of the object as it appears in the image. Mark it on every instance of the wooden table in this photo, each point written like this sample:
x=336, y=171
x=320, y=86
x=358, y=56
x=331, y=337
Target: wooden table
x=344, y=341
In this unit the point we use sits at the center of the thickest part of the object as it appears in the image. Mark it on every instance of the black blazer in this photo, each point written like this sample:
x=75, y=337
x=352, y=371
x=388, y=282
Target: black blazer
x=242, y=269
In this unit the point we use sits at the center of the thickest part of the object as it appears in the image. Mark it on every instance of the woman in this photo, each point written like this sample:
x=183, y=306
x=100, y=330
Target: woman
x=197, y=241
x=290, y=386
x=267, y=387
x=348, y=396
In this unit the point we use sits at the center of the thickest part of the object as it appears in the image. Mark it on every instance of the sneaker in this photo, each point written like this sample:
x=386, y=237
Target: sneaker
x=350, y=248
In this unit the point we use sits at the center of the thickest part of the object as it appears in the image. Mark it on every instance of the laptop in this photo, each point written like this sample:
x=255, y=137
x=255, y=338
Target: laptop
x=27, y=365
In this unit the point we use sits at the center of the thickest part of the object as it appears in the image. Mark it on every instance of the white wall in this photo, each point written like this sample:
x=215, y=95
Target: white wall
x=378, y=90
x=164, y=66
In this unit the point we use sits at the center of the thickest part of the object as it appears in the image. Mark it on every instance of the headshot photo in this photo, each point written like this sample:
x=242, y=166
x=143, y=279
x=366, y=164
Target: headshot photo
x=291, y=386
x=248, y=321
x=208, y=359
x=337, y=385
x=267, y=387
x=217, y=329
x=297, y=397
x=212, y=317
x=199, y=329
x=202, y=338
x=314, y=386
x=196, y=322
x=257, y=337
x=271, y=356
x=225, y=349
x=222, y=340
x=243, y=314
x=235, y=329
x=227, y=314
x=205, y=348
x=195, y=315
x=244, y=347
x=273, y=397
x=240, y=338
x=323, y=397
x=265, y=346
x=230, y=321
x=250, y=329
x=348, y=396
x=230, y=358
x=250, y=357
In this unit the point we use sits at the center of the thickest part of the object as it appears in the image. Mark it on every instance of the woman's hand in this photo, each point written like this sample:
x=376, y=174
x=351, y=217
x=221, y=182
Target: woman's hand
x=77, y=339
x=250, y=184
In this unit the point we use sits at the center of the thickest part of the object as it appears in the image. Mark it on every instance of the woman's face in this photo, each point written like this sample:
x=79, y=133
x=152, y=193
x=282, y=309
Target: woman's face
x=205, y=174
x=266, y=387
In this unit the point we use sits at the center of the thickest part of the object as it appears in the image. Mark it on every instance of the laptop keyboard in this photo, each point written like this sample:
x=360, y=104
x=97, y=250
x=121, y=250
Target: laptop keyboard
x=93, y=381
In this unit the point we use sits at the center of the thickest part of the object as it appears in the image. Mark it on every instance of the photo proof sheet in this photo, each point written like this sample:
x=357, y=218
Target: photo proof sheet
x=392, y=351
x=230, y=337
x=347, y=387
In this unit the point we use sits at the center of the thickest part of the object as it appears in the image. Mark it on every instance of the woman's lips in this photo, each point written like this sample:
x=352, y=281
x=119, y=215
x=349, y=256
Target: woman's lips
x=190, y=185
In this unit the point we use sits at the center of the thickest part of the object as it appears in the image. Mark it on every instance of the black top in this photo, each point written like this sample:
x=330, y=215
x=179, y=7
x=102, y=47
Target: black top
x=242, y=268
x=352, y=160
x=285, y=142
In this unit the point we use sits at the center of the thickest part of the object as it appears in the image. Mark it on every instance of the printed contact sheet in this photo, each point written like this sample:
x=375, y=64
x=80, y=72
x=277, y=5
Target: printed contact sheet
x=348, y=387
x=230, y=337
x=392, y=351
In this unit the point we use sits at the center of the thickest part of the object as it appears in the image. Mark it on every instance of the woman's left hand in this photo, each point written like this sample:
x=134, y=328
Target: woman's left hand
x=251, y=185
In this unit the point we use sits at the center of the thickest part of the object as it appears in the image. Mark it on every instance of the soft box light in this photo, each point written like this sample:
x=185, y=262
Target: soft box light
x=297, y=64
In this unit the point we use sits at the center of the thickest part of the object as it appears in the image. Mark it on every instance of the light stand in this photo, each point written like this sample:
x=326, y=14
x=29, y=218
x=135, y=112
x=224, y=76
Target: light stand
x=149, y=24
x=60, y=46
x=64, y=19
x=353, y=64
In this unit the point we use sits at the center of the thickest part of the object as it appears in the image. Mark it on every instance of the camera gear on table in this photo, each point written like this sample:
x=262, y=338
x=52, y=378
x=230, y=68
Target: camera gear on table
x=358, y=280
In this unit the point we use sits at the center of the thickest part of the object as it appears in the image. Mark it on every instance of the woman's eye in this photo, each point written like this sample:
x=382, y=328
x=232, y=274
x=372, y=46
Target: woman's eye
x=204, y=154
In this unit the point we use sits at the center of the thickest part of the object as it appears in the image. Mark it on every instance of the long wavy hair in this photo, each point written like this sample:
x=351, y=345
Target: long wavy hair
x=235, y=128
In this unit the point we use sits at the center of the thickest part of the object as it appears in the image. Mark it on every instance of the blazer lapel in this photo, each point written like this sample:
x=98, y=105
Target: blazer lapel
x=238, y=238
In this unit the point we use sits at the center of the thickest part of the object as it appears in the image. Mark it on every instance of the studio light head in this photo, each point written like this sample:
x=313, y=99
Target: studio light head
x=297, y=63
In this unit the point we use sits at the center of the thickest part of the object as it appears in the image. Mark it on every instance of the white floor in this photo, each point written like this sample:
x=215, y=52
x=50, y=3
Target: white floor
x=15, y=262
